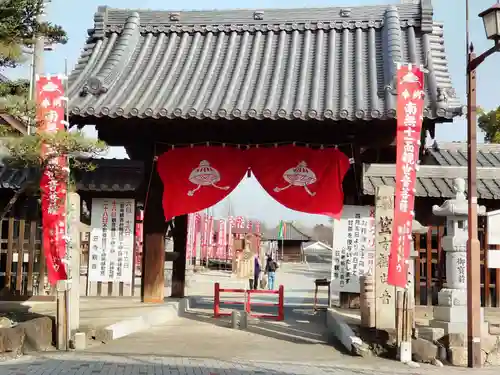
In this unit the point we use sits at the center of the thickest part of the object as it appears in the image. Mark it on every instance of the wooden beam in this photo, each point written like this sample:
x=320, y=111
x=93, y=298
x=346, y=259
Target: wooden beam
x=153, y=269
x=179, y=266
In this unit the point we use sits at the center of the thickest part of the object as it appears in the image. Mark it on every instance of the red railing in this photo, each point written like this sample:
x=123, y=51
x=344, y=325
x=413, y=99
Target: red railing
x=247, y=302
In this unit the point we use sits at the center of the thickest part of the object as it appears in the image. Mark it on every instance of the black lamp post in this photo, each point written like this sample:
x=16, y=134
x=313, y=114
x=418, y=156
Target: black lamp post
x=491, y=19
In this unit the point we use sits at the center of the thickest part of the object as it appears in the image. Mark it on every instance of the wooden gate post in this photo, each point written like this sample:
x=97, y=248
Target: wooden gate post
x=153, y=262
x=179, y=266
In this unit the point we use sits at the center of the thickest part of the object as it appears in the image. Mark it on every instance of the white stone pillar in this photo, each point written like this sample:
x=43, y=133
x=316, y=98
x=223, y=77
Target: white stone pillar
x=74, y=248
x=451, y=312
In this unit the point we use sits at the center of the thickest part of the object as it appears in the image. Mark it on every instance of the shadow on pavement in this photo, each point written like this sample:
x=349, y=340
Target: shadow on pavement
x=301, y=325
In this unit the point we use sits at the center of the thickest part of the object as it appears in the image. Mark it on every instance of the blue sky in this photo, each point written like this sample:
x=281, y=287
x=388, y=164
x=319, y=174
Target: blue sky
x=249, y=199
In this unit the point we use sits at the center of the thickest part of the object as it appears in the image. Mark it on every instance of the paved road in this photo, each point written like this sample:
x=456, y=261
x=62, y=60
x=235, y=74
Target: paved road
x=92, y=364
x=301, y=337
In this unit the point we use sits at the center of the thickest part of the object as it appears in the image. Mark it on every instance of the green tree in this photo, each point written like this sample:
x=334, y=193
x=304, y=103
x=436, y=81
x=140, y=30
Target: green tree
x=19, y=28
x=489, y=123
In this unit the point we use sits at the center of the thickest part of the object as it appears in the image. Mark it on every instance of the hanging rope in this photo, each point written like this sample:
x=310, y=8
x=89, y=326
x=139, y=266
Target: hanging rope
x=155, y=158
x=256, y=145
x=356, y=185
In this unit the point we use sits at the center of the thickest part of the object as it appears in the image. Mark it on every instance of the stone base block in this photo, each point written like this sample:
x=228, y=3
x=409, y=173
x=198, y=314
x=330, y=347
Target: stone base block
x=458, y=356
x=29, y=336
x=430, y=333
x=455, y=314
x=454, y=327
x=450, y=297
x=80, y=341
x=494, y=329
x=424, y=351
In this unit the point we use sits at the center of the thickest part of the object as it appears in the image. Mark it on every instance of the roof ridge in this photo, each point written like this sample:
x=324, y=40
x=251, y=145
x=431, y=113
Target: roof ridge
x=113, y=19
x=462, y=146
x=298, y=230
x=445, y=171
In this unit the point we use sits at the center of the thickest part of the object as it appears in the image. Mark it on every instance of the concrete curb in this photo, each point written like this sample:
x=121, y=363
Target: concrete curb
x=337, y=327
x=160, y=315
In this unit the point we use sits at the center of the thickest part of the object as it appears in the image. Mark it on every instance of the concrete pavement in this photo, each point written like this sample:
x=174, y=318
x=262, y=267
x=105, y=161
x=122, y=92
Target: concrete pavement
x=198, y=344
x=300, y=337
x=103, y=364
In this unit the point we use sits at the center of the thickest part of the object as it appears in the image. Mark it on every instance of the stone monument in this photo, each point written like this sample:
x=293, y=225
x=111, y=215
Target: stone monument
x=451, y=312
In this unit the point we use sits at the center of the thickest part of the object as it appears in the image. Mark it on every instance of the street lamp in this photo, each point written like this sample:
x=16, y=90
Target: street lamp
x=491, y=19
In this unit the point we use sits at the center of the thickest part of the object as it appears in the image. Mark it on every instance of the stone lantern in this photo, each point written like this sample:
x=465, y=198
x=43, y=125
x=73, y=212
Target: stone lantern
x=451, y=312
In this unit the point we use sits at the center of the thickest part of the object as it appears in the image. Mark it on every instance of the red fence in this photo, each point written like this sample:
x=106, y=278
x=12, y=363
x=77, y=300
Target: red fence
x=247, y=302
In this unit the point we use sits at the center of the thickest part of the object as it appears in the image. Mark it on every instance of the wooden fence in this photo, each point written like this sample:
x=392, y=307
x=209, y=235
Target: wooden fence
x=430, y=268
x=22, y=265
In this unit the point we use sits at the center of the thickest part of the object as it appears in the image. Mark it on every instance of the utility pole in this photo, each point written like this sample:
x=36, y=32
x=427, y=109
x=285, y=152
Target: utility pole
x=37, y=67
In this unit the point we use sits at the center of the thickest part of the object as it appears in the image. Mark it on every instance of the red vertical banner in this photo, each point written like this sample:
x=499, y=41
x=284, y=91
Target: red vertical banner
x=249, y=226
x=53, y=183
x=138, y=241
x=231, y=224
x=257, y=231
x=197, y=229
x=240, y=224
x=211, y=243
x=221, y=240
x=204, y=236
x=190, y=237
x=410, y=105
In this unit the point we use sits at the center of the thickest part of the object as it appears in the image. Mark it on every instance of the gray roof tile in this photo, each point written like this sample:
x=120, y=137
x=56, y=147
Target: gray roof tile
x=16, y=178
x=432, y=180
x=325, y=63
x=455, y=154
x=110, y=175
x=292, y=233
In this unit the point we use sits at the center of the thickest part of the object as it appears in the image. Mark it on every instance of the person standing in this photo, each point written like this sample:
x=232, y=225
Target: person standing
x=271, y=267
x=254, y=284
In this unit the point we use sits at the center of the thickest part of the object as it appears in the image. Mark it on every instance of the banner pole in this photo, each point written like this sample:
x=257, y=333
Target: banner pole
x=69, y=271
x=282, y=249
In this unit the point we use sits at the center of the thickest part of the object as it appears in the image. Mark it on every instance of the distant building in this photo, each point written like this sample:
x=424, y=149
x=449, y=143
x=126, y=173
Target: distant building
x=316, y=246
x=290, y=248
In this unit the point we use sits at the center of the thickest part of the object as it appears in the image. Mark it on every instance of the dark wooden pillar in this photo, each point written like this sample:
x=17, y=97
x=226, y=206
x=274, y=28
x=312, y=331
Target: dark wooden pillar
x=153, y=262
x=179, y=266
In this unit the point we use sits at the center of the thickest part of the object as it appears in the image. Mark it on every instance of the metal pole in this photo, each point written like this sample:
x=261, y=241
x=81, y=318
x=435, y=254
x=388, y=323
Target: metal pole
x=473, y=245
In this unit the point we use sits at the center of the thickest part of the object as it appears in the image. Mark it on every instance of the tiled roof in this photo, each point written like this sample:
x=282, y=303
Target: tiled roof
x=455, y=154
x=320, y=63
x=433, y=180
x=16, y=178
x=110, y=175
x=291, y=234
x=20, y=126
